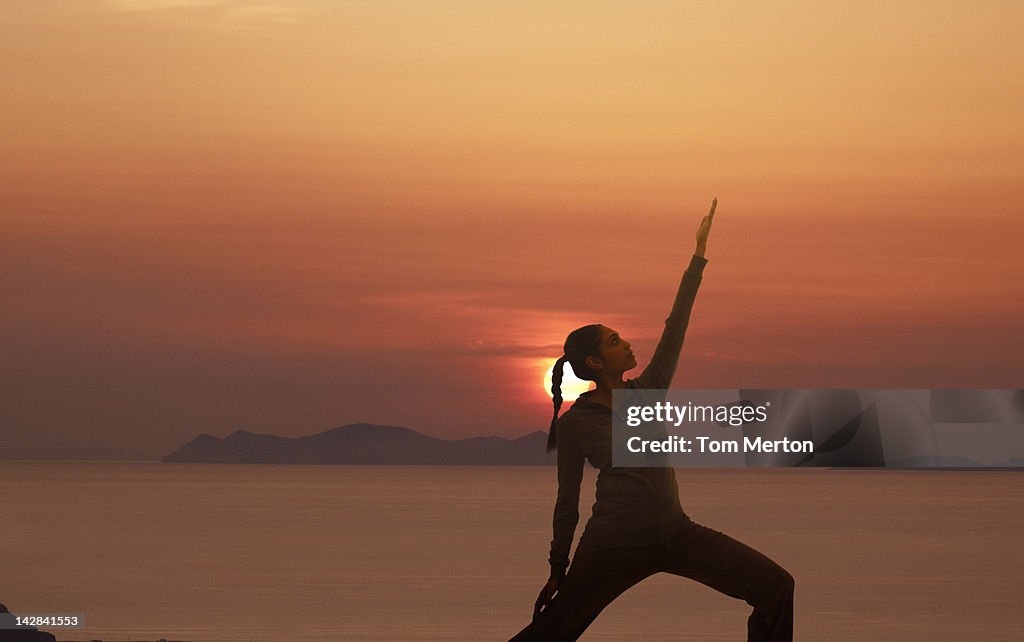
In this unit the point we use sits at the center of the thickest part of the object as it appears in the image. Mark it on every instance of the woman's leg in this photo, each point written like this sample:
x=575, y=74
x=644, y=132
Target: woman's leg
x=733, y=568
x=596, y=577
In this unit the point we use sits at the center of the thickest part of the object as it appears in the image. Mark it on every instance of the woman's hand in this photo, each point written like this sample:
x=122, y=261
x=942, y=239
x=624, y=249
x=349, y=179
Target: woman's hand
x=705, y=229
x=544, y=599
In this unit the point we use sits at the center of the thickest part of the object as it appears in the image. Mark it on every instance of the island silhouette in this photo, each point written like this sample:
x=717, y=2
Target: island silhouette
x=375, y=444
x=363, y=443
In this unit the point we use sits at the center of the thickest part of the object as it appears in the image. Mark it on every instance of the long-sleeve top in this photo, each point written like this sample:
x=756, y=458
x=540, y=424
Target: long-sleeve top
x=633, y=506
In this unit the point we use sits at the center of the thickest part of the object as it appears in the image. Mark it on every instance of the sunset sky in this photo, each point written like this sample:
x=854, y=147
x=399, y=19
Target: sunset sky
x=289, y=216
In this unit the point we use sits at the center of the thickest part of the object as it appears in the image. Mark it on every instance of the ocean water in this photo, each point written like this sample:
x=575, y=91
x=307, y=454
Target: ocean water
x=233, y=552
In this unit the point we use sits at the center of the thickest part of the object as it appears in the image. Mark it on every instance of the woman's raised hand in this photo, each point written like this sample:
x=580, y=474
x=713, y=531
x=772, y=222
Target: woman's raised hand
x=705, y=229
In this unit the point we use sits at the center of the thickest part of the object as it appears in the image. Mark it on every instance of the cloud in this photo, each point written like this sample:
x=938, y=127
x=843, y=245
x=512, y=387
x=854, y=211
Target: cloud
x=222, y=15
x=160, y=5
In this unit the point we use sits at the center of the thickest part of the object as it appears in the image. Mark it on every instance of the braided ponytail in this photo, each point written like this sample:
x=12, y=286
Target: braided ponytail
x=581, y=343
x=556, y=398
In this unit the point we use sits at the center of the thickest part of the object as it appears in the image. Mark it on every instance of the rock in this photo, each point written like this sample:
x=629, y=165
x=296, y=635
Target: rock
x=23, y=635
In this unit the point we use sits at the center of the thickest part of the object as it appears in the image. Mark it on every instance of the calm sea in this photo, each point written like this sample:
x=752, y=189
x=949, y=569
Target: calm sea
x=223, y=552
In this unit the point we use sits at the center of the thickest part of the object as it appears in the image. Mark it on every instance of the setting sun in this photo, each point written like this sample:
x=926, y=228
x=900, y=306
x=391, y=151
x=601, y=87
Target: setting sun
x=572, y=386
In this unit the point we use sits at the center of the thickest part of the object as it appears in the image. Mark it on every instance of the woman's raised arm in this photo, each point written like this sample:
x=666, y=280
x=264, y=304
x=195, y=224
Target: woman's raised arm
x=659, y=372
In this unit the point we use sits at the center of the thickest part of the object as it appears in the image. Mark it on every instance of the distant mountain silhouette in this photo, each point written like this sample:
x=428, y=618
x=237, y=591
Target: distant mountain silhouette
x=23, y=635
x=363, y=444
x=1016, y=462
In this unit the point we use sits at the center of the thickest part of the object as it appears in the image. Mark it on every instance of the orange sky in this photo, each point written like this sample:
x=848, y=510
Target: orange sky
x=289, y=216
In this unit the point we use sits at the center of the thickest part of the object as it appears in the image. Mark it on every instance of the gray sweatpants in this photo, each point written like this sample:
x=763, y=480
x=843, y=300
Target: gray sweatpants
x=599, y=575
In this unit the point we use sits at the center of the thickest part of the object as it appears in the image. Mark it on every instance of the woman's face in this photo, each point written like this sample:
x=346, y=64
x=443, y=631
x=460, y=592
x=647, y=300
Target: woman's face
x=615, y=352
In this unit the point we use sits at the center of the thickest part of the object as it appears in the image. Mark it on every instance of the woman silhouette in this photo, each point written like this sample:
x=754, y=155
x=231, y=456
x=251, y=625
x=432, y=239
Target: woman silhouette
x=637, y=527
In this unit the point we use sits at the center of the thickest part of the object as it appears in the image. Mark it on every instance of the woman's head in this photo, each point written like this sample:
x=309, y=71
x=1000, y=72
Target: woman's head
x=596, y=353
x=582, y=349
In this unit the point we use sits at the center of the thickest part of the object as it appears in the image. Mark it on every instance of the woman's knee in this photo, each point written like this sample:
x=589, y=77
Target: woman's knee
x=775, y=585
x=783, y=582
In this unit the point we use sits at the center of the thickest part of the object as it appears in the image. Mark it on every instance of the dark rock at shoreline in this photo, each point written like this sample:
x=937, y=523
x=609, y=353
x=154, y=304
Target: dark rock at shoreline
x=23, y=635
